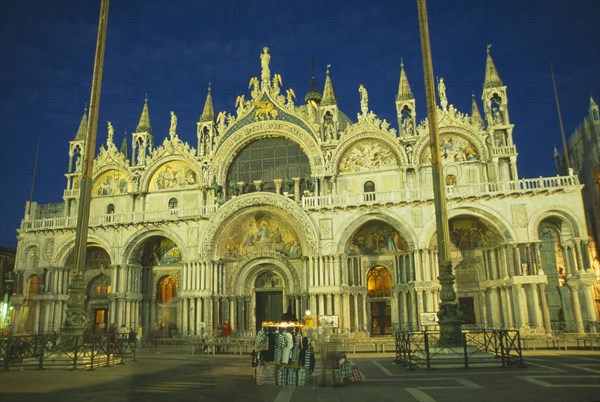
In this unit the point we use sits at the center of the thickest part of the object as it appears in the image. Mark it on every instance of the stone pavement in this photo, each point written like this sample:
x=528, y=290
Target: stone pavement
x=172, y=375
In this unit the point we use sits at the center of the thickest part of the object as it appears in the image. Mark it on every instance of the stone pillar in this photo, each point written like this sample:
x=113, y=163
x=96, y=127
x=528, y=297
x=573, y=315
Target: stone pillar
x=278, y=183
x=394, y=309
x=538, y=258
x=419, y=303
x=590, y=305
x=506, y=310
x=346, y=310
x=321, y=299
x=337, y=305
x=365, y=324
x=257, y=184
x=584, y=244
x=545, y=310
x=579, y=257
x=574, y=288
x=534, y=302
x=329, y=305
x=429, y=307
x=187, y=310
x=321, y=269
x=356, y=320
x=296, y=188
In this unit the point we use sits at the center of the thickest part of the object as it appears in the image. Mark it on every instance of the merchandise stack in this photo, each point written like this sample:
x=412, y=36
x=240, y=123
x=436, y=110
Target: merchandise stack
x=282, y=354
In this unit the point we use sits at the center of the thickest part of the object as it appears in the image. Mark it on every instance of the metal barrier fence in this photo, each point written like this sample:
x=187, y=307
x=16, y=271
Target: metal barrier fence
x=42, y=351
x=414, y=347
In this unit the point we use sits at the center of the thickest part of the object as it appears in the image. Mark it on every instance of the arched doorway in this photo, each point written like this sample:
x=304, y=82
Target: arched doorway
x=98, y=291
x=379, y=293
x=166, y=296
x=97, y=305
x=268, y=288
x=156, y=264
x=475, y=255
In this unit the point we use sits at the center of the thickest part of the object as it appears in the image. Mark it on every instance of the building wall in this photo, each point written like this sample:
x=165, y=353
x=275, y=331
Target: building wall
x=519, y=246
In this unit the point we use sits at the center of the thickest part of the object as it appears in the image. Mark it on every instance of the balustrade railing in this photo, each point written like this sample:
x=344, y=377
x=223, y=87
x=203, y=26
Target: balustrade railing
x=454, y=191
x=122, y=218
x=323, y=201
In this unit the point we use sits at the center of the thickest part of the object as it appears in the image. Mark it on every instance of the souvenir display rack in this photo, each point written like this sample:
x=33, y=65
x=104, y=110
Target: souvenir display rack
x=282, y=354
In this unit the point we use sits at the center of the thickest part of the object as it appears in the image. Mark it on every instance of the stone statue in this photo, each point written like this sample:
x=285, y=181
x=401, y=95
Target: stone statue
x=264, y=63
x=408, y=127
x=364, y=99
x=497, y=116
x=442, y=93
x=310, y=183
x=111, y=134
x=173, y=129
x=409, y=152
x=327, y=159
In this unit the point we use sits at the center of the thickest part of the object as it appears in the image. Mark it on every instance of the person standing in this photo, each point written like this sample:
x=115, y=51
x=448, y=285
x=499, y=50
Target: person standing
x=227, y=330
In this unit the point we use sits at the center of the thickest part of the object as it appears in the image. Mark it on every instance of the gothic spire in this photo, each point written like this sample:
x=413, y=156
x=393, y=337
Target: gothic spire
x=492, y=79
x=475, y=115
x=592, y=102
x=404, y=91
x=208, y=113
x=82, y=131
x=144, y=124
x=124, y=149
x=328, y=94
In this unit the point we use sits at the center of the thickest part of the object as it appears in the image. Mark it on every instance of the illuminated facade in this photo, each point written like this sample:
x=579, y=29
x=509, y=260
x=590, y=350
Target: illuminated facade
x=284, y=205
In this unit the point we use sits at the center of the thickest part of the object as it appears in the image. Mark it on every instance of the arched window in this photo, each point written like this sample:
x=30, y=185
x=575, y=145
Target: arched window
x=173, y=203
x=379, y=282
x=369, y=187
x=167, y=289
x=110, y=209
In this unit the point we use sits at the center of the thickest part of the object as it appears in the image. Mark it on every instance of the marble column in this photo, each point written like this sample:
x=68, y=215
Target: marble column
x=296, y=188
x=278, y=183
x=574, y=288
x=590, y=306
x=545, y=310
x=534, y=302
x=578, y=256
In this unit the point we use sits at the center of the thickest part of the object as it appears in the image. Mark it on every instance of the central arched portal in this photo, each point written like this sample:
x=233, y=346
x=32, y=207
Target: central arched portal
x=268, y=290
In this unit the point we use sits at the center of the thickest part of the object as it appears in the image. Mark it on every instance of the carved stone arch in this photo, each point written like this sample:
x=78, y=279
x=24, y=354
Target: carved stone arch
x=359, y=219
x=237, y=141
x=140, y=236
x=489, y=216
x=156, y=164
x=108, y=167
x=468, y=134
x=572, y=227
x=348, y=142
x=249, y=269
x=68, y=247
x=253, y=201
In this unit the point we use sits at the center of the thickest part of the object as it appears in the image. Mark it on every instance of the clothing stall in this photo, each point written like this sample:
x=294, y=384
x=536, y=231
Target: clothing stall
x=283, y=354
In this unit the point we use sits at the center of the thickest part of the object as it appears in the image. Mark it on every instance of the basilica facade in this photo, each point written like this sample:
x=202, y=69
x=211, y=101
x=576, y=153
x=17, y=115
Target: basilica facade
x=289, y=205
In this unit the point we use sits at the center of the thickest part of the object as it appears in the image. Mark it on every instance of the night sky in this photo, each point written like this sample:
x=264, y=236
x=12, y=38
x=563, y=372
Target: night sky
x=171, y=50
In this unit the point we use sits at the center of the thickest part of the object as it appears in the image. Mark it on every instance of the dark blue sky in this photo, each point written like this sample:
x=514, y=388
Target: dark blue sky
x=171, y=50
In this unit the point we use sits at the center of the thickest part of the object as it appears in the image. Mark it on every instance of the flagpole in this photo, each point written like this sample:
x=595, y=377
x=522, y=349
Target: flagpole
x=449, y=314
x=560, y=123
x=76, y=317
x=35, y=165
